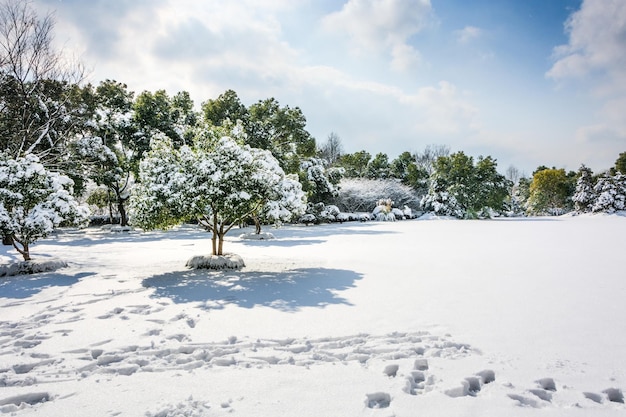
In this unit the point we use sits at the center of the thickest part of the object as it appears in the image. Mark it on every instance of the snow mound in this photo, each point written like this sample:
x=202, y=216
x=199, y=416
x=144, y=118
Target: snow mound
x=31, y=267
x=226, y=261
x=256, y=236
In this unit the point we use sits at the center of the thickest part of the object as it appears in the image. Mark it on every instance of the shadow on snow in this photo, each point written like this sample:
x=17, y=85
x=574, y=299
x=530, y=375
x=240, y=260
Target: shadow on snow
x=286, y=291
x=23, y=286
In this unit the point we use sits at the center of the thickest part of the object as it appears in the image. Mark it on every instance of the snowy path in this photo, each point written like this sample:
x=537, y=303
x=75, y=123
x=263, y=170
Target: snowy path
x=419, y=317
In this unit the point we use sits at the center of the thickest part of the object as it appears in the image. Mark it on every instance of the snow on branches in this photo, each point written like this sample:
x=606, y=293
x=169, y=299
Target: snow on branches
x=217, y=181
x=33, y=201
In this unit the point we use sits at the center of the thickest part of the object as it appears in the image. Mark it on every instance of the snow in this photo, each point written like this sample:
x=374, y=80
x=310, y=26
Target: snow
x=512, y=317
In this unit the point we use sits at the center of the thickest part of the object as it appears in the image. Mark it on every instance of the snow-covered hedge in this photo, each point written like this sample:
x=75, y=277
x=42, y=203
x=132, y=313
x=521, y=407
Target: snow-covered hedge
x=360, y=194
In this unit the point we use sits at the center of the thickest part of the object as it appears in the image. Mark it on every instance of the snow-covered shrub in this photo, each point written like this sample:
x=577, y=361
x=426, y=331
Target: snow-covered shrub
x=611, y=192
x=224, y=261
x=31, y=267
x=308, y=218
x=329, y=213
x=383, y=210
x=359, y=194
x=319, y=181
x=34, y=201
x=443, y=204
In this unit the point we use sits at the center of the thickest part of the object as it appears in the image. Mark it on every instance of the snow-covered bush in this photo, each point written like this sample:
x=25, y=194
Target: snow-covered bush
x=359, y=194
x=383, y=210
x=319, y=181
x=611, y=192
x=33, y=201
x=443, y=204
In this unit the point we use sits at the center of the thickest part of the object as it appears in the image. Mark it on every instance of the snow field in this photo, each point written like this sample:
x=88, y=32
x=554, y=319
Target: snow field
x=447, y=317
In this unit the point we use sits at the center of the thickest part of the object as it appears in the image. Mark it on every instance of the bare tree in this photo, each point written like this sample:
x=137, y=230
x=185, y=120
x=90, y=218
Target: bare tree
x=36, y=83
x=512, y=174
x=332, y=149
x=427, y=158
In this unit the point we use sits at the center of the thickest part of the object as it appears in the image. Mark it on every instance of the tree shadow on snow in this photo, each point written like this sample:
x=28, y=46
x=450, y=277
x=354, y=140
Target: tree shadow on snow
x=23, y=286
x=286, y=291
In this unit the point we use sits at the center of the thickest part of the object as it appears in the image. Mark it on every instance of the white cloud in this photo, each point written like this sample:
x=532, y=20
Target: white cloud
x=597, y=44
x=382, y=27
x=468, y=34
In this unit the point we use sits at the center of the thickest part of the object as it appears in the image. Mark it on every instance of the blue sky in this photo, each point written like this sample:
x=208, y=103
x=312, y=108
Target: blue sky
x=529, y=82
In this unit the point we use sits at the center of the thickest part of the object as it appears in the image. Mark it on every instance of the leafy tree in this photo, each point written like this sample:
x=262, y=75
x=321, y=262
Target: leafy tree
x=217, y=181
x=406, y=170
x=469, y=190
x=282, y=131
x=227, y=107
x=110, y=155
x=157, y=113
x=355, y=164
x=38, y=108
x=549, y=192
x=584, y=196
x=378, y=168
x=33, y=201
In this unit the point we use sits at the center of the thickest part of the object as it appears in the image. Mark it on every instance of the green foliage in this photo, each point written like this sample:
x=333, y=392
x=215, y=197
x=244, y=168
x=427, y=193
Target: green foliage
x=620, y=164
x=378, y=168
x=355, y=164
x=550, y=192
x=468, y=189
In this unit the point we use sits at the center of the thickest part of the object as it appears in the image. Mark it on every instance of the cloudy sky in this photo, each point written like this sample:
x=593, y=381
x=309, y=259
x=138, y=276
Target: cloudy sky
x=530, y=82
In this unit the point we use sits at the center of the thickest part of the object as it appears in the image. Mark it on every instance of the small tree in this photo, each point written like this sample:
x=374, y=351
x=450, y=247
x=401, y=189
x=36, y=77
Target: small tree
x=217, y=181
x=33, y=201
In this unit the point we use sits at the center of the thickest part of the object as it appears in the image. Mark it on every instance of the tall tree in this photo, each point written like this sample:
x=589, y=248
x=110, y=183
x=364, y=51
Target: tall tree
x=227, y=106
x=282, y=131
x=378, y=168
x=109, y=154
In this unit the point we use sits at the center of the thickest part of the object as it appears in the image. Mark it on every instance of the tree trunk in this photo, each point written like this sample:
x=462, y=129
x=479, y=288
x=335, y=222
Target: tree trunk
x=257, y=225
x=24, y=251
x=215, y=233
x=122, y=210
x=220, y=246
x=110, y=201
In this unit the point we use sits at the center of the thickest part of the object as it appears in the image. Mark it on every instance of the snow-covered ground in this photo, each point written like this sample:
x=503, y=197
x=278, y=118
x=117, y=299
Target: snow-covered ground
x=440, y=317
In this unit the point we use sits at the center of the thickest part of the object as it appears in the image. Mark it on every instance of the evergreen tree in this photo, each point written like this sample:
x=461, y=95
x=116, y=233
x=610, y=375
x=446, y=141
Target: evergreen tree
x=611, y=192
x=584, y=196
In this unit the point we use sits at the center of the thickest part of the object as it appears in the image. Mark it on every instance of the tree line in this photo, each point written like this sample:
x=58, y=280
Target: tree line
x=62, y=137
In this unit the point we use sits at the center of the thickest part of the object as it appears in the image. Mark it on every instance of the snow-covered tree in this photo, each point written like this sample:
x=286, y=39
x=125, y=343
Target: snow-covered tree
x=217, y=181
x=611, y=192
x=33, y=201
x=109, y=155
x=584, y=197
x=319, y=181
